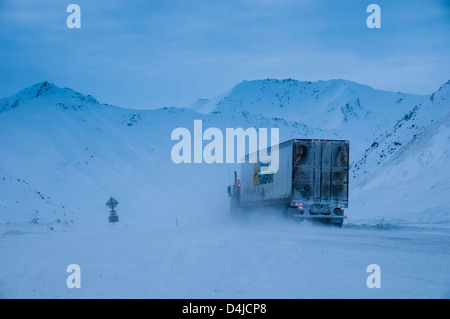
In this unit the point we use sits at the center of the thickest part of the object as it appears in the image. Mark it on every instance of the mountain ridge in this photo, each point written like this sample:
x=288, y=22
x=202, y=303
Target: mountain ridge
x=43, y=89
x=286, y=92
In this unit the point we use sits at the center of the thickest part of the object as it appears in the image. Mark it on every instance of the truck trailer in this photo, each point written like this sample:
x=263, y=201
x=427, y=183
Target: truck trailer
x=311, y=182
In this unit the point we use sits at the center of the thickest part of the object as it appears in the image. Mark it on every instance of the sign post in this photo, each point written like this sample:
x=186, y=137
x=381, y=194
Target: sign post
x=113, y=217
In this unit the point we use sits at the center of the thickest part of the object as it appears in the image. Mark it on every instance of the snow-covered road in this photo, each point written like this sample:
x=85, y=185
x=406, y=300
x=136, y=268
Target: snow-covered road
x=248, y=259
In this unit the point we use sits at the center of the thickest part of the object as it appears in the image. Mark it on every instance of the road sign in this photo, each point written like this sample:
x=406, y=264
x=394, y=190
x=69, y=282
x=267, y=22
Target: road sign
x=112, y=203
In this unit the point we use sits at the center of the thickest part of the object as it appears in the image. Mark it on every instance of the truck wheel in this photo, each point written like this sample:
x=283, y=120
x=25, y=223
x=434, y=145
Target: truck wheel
x=337, y=222
x=285, y=211
x=289, y=212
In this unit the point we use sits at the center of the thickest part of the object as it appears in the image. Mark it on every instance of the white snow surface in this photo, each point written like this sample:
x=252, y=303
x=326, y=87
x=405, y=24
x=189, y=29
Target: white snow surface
x=242, y=259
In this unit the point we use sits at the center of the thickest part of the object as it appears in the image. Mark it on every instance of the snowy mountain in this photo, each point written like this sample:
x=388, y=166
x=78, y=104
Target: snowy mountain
x=80, y=152
x=50, y=92
x=407, y=126
x=328, y=109
x=412, y=186
x=324, y=104
x=21, y=203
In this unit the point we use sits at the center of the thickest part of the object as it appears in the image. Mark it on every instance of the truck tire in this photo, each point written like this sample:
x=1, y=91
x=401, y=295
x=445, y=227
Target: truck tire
x=337, y=222
x=285, y=211
x=330, y=222
x=289, y=212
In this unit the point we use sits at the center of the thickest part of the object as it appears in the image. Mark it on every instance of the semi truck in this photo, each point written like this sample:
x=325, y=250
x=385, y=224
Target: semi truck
x=311, y=182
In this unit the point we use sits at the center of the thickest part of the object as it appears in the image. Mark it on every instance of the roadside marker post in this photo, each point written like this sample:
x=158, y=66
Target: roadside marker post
x=113, y=217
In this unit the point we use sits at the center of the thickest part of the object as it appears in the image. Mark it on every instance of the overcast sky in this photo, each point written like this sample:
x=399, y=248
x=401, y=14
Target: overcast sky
x=155, y=53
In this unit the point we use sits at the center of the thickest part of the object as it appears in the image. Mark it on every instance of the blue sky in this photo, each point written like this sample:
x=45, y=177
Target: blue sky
x=155, y=53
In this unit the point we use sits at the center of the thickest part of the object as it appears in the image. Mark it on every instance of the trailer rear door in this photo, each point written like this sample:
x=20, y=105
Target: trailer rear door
x=321, y=171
